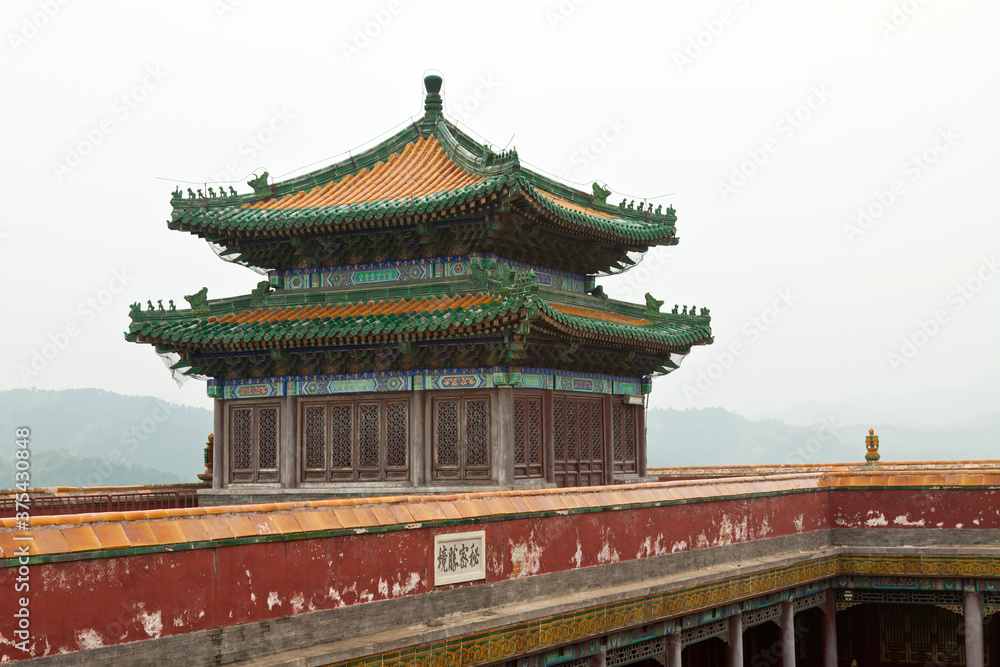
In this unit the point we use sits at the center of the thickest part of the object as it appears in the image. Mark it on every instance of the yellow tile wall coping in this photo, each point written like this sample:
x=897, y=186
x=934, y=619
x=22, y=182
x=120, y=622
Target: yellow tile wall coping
x=67, y=533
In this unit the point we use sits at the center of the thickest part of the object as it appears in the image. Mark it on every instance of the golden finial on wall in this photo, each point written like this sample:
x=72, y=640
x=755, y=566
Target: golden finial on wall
x=871, y=444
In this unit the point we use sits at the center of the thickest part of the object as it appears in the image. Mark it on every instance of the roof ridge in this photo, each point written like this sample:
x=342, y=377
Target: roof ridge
x=485, y=164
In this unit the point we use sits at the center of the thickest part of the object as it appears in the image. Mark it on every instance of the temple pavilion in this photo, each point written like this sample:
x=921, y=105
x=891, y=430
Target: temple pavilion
x=430, y=321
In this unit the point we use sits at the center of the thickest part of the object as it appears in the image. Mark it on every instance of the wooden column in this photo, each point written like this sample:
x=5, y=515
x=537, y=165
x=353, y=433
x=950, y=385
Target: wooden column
x=428, y=407
x=226, y=444
x=973, y=615
x=830, y=630
x=502, y=432
x=609, y=446
x=787, y=634
x=640, y=441
x=549, y=442
x=288, y=443
x=219, y=444
x=735, y=651
x=419, y=443
x=674, y=650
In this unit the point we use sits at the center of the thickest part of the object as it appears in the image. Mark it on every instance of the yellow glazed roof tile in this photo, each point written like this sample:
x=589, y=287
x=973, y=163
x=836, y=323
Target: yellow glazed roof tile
x=366, y=516
x=49, y=542
x=81, y=539
x=241, y=526
x=421, y=168
x=450, y=511
x=166, y=532
x=192, y=530
x=264, y=524
x=400, y=513
x=287, y=524
x=318, y=520
x=139, y=534
x=217, y=528
x=111, y=536
x=384, y=516
x=347, y=517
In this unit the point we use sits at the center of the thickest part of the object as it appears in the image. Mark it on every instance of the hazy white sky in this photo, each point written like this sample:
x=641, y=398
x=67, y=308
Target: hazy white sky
x=832, y=165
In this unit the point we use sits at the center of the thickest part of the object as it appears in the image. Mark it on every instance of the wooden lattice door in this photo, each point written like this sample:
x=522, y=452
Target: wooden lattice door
x=462, y=438
x=528, y=437
x=578, y=435
x=625, y=436
x=253, y=443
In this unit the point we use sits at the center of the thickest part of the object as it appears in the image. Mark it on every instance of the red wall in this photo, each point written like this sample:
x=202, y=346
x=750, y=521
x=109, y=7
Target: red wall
x=85, y=603
x=915, y=508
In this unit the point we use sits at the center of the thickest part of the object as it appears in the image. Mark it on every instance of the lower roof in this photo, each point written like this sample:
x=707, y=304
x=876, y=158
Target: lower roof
x=406, y=318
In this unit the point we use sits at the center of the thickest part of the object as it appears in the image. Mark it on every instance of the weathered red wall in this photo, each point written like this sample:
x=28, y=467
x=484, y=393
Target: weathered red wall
x=86, y=603
x=915, y=508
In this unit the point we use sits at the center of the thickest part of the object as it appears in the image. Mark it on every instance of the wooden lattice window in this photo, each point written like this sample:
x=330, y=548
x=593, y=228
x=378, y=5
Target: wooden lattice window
x=253, y=443
x=462, y=442
x=624, y=431
x=578, y=434
x=528, y=437
x=355, y=439
x=921, y=634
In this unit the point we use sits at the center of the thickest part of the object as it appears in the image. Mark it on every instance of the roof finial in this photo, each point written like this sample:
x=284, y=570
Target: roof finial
x=871, y=445
x=432, y=101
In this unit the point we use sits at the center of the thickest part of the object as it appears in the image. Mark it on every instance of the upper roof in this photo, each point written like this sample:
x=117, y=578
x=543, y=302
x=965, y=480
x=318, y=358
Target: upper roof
x=409, y=194
x=420, y=169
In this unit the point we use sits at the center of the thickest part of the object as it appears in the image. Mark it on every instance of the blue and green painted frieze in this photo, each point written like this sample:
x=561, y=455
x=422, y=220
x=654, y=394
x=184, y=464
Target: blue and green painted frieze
x=359, y=275
x=427, y=380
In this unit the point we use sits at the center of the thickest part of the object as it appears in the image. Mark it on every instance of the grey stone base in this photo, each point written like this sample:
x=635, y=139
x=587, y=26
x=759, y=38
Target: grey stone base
x=254, y=495
x=895, y=538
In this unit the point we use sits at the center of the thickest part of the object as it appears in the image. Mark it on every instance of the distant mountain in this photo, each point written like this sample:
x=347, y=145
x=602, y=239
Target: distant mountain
x=714, y=436
x=992, y=419
x=937, y=408
x=144, y=439
x=91, y=437
x=57, y=467
x=813, y=412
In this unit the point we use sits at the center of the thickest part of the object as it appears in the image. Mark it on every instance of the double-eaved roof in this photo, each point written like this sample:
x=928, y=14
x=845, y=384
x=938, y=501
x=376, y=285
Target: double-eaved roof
x=428, y=251
x=428, y=190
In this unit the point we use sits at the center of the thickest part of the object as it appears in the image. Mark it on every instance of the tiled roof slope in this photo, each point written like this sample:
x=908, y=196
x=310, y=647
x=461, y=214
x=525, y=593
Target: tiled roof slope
x=430, y=167
x=420, y=169
x=228, y=324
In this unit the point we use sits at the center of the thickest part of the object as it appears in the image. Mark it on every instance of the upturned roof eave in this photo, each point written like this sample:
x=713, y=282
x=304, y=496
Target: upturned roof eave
x=231, y=215
x=202, y=329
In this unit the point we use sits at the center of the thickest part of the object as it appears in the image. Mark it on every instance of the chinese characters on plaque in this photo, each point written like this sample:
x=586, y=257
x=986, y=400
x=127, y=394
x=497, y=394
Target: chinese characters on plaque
x=459, y=557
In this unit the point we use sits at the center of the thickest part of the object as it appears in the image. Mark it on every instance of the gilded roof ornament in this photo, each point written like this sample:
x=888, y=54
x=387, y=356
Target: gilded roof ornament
x=871, y=449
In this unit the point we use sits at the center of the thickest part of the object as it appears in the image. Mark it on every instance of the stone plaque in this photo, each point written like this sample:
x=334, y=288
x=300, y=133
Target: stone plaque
x=459, y=557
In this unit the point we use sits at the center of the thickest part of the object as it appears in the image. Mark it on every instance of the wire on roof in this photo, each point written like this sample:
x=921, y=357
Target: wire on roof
x=549, y=173
x=349, y=153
